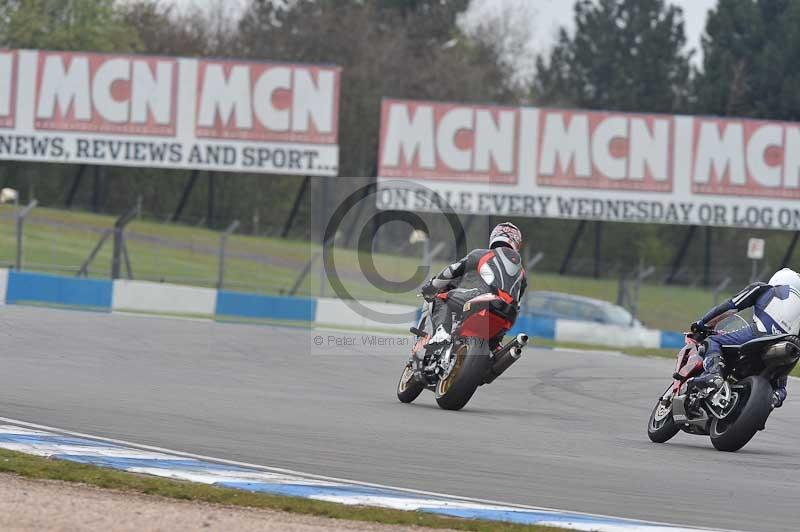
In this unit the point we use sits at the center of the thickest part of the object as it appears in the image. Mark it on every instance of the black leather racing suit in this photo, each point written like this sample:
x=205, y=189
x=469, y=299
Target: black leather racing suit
x=481, y=271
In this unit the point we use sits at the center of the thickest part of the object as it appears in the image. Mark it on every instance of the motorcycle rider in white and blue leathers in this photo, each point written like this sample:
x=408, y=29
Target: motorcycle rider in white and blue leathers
x=776, y=310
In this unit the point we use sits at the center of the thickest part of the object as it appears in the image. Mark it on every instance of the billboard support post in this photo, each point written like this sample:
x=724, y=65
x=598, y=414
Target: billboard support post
x=576, y=236
x=369, y=189
x=99, y=178
x=790, y=250
x=287, y=226
x=187, y=190
x=210, y=206
x=598, y=240
x=73, y=189
x=680, y=254
x=707, y=259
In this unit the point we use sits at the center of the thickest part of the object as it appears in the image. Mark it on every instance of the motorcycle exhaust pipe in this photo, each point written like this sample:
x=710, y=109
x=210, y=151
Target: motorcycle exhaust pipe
x=506, y=357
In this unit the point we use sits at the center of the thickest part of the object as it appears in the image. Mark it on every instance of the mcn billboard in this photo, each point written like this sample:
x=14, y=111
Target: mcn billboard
x=589, y=165
x=168, y=112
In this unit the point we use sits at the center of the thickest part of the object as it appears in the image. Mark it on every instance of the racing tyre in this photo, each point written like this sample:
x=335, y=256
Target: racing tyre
x=471, y=362
x=662, y=427
x=408, y=388
x=747, y=416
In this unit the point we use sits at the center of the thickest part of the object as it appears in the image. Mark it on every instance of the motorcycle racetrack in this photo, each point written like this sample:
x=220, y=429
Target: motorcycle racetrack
x=560, y=429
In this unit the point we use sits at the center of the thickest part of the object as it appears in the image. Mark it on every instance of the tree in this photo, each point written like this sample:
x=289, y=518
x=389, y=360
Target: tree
x=504, y=36
x=90, y=25
x=731, y=42
x=751, y=64
x=385, y=50
x=625, y=55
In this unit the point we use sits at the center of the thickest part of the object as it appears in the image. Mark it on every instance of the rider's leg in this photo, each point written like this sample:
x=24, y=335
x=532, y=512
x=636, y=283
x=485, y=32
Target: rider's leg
x=441, y=322
x=713, y=364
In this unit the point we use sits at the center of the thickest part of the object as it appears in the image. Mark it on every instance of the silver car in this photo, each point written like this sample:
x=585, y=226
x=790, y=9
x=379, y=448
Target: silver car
x=559, y=305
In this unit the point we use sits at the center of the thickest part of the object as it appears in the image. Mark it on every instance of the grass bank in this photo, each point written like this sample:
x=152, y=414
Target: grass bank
x=43, y=468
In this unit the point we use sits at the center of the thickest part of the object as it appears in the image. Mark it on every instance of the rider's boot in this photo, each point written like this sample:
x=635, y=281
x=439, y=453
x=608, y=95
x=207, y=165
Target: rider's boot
x=711, y=380
x=779, y=393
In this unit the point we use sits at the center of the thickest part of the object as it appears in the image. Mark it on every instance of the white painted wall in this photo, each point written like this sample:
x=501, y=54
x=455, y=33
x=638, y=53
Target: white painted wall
x=603, y=334
x=3, y=285
x=336, y=312
x=163, y=298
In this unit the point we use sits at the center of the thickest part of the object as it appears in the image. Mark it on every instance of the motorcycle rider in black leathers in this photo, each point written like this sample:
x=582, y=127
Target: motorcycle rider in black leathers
x=497, y=270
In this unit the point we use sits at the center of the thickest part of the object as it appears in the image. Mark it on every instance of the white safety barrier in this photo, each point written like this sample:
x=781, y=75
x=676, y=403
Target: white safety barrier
x=337, y=313
x=604, y=334
x=3, y=285
x=162, y=298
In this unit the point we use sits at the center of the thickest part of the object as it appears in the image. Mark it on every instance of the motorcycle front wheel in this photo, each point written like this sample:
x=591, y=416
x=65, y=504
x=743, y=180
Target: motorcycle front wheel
x=752, y=406
x=662, y=427
x=471, y=363
x=408, y=388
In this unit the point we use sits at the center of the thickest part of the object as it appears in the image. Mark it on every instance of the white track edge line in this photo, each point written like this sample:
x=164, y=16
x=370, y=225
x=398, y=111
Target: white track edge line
x=335, y=479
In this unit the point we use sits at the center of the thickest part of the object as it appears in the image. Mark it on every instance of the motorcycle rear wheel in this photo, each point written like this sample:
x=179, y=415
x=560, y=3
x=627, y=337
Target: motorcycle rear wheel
x=472, y=363
x=408, y=388
x=662, y=427
x=749, y=415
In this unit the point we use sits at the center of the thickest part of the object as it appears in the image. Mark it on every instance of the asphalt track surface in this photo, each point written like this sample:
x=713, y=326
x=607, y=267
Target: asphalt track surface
x=562, y=430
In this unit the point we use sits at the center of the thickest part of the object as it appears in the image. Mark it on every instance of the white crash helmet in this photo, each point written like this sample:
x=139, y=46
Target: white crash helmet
x=786, y=277
x=508, y=234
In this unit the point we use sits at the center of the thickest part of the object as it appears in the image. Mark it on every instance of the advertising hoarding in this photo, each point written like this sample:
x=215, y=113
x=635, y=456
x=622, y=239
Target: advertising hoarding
x=169, y=112
x=588, y=165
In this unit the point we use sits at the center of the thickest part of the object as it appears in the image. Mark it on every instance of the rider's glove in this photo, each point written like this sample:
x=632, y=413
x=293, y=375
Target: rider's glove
x=429, y=291
x=699, y=327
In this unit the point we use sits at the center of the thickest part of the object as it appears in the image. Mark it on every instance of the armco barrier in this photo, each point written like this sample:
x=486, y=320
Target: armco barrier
x=164, y=298
x=26, y=287
x=241, y=305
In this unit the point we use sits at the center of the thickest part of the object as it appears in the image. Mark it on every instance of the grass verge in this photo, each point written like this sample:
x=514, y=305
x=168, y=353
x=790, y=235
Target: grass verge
x=36, y=467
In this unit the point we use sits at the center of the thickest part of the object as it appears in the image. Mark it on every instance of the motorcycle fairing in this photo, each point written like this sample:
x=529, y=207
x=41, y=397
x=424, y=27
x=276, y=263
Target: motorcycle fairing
x=689, y=364
x=483, y=324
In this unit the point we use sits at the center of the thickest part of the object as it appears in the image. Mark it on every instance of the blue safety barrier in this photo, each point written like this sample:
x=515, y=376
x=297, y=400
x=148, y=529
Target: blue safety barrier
x=672, y=340
x=26, y=287
x=241, y=305
x=535, y=326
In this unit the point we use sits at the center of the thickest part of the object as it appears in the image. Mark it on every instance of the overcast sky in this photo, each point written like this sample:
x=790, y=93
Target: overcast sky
x=551, y=14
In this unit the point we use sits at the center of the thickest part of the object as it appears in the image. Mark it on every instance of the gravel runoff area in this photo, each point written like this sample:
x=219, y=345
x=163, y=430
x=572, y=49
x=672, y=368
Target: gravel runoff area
x=46, y=505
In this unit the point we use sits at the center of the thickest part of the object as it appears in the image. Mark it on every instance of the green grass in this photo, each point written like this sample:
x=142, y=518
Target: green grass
x=58, y=241
x=43, y=468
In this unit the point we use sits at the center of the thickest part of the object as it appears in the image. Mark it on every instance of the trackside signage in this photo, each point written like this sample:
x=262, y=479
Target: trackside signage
x=575, y=164
x=169, y=112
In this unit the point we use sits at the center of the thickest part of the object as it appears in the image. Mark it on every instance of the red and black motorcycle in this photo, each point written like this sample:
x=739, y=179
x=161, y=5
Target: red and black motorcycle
x=454, y=370
x=735, y=412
